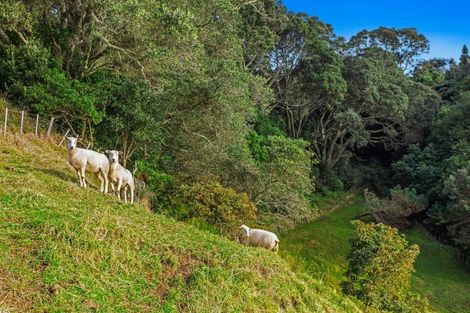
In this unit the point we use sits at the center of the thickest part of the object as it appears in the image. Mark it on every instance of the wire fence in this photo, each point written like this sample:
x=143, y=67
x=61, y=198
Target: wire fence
x=16, y=122
x=460, y=255
x=22, y=122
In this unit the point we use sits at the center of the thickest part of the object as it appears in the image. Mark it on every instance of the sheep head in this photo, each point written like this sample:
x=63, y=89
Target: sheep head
x=243, y=234
x=113, y=156
x=71, y=143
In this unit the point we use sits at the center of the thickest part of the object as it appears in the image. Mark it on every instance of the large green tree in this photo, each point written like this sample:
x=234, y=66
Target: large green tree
x=342, y=103
x=431, y=72
x=381, y=107
x=405, y=44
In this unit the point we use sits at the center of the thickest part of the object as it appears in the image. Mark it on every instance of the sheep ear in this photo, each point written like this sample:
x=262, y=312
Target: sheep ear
x=121, y=153
x=107, y=152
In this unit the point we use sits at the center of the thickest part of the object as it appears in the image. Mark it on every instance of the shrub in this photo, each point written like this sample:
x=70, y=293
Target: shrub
x=396, y=210
x=159, y=190
x=33, y=79
x=54, y=93
x=380, y=266
x=209, y=206
x=217, y=205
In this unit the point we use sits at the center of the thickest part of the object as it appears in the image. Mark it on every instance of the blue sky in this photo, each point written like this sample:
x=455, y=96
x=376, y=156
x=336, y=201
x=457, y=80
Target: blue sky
x=446, y=23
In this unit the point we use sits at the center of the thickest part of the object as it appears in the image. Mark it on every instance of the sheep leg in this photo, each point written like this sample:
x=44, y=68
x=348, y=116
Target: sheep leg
x=83, y=176
x=100, y=177
x=106, y=182
x=79, y=178
x=119, y=189
x=132, y=194
x=125, y=194
x=112, y=188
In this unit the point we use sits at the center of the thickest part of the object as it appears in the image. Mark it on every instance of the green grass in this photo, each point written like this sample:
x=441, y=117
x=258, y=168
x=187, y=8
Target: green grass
x=66, y=249
x=438, y=276
x=320, y=248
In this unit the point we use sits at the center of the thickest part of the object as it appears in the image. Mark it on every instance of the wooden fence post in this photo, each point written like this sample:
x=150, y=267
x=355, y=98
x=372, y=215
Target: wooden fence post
x=6, y=121
x=63, y=138
x=49, y=129
x=37, y=124
x=21, y=123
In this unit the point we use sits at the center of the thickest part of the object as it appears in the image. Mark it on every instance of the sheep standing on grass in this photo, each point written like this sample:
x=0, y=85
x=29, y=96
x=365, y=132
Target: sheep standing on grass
x=120, y=175
x=258, y=238
x=83, y=160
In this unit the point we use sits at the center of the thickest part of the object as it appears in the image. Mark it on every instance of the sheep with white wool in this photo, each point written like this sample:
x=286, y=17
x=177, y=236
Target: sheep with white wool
x=120, y=175
x=258, y=238
x=84, y=160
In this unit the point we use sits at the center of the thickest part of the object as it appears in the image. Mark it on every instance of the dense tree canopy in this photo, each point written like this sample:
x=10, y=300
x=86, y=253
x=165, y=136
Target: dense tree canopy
x=405, y=45
x=438, y=169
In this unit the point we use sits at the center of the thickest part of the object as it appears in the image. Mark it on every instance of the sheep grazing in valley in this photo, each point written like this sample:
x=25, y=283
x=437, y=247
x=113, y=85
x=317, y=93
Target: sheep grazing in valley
x=120, y=175
x=258, y=238
x=83, y=160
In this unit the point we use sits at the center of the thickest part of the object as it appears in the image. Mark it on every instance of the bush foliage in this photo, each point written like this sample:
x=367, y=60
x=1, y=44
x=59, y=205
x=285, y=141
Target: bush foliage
x=396, y=211
x=217, y=205
x=380, y=266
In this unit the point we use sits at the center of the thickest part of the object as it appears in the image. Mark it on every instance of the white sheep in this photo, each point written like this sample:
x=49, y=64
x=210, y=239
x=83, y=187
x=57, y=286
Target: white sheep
x=83, y=160
x=258, y=238
x=120, y=175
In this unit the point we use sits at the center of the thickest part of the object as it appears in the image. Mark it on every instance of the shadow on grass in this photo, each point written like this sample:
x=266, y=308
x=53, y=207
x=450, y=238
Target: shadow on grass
x=59, y=174
x=91, y=180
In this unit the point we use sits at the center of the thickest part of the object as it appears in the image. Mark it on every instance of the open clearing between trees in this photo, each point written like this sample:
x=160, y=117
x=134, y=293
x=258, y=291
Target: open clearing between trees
x=321, y=247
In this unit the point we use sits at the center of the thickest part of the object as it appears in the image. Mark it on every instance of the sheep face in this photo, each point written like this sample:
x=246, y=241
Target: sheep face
x=113, y=156
x=243, y=234
x=71, y=143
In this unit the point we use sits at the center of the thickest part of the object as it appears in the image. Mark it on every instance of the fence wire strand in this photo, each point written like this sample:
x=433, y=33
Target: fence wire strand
x=58, y=130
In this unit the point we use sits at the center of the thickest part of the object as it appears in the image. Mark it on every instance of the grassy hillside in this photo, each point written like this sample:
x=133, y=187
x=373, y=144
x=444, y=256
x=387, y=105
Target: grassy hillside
x=321, y=248
x=439, y=277
x=65, y=249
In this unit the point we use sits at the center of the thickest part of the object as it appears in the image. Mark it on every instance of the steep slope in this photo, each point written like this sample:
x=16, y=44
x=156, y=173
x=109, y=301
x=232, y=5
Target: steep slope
x=65, y=249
